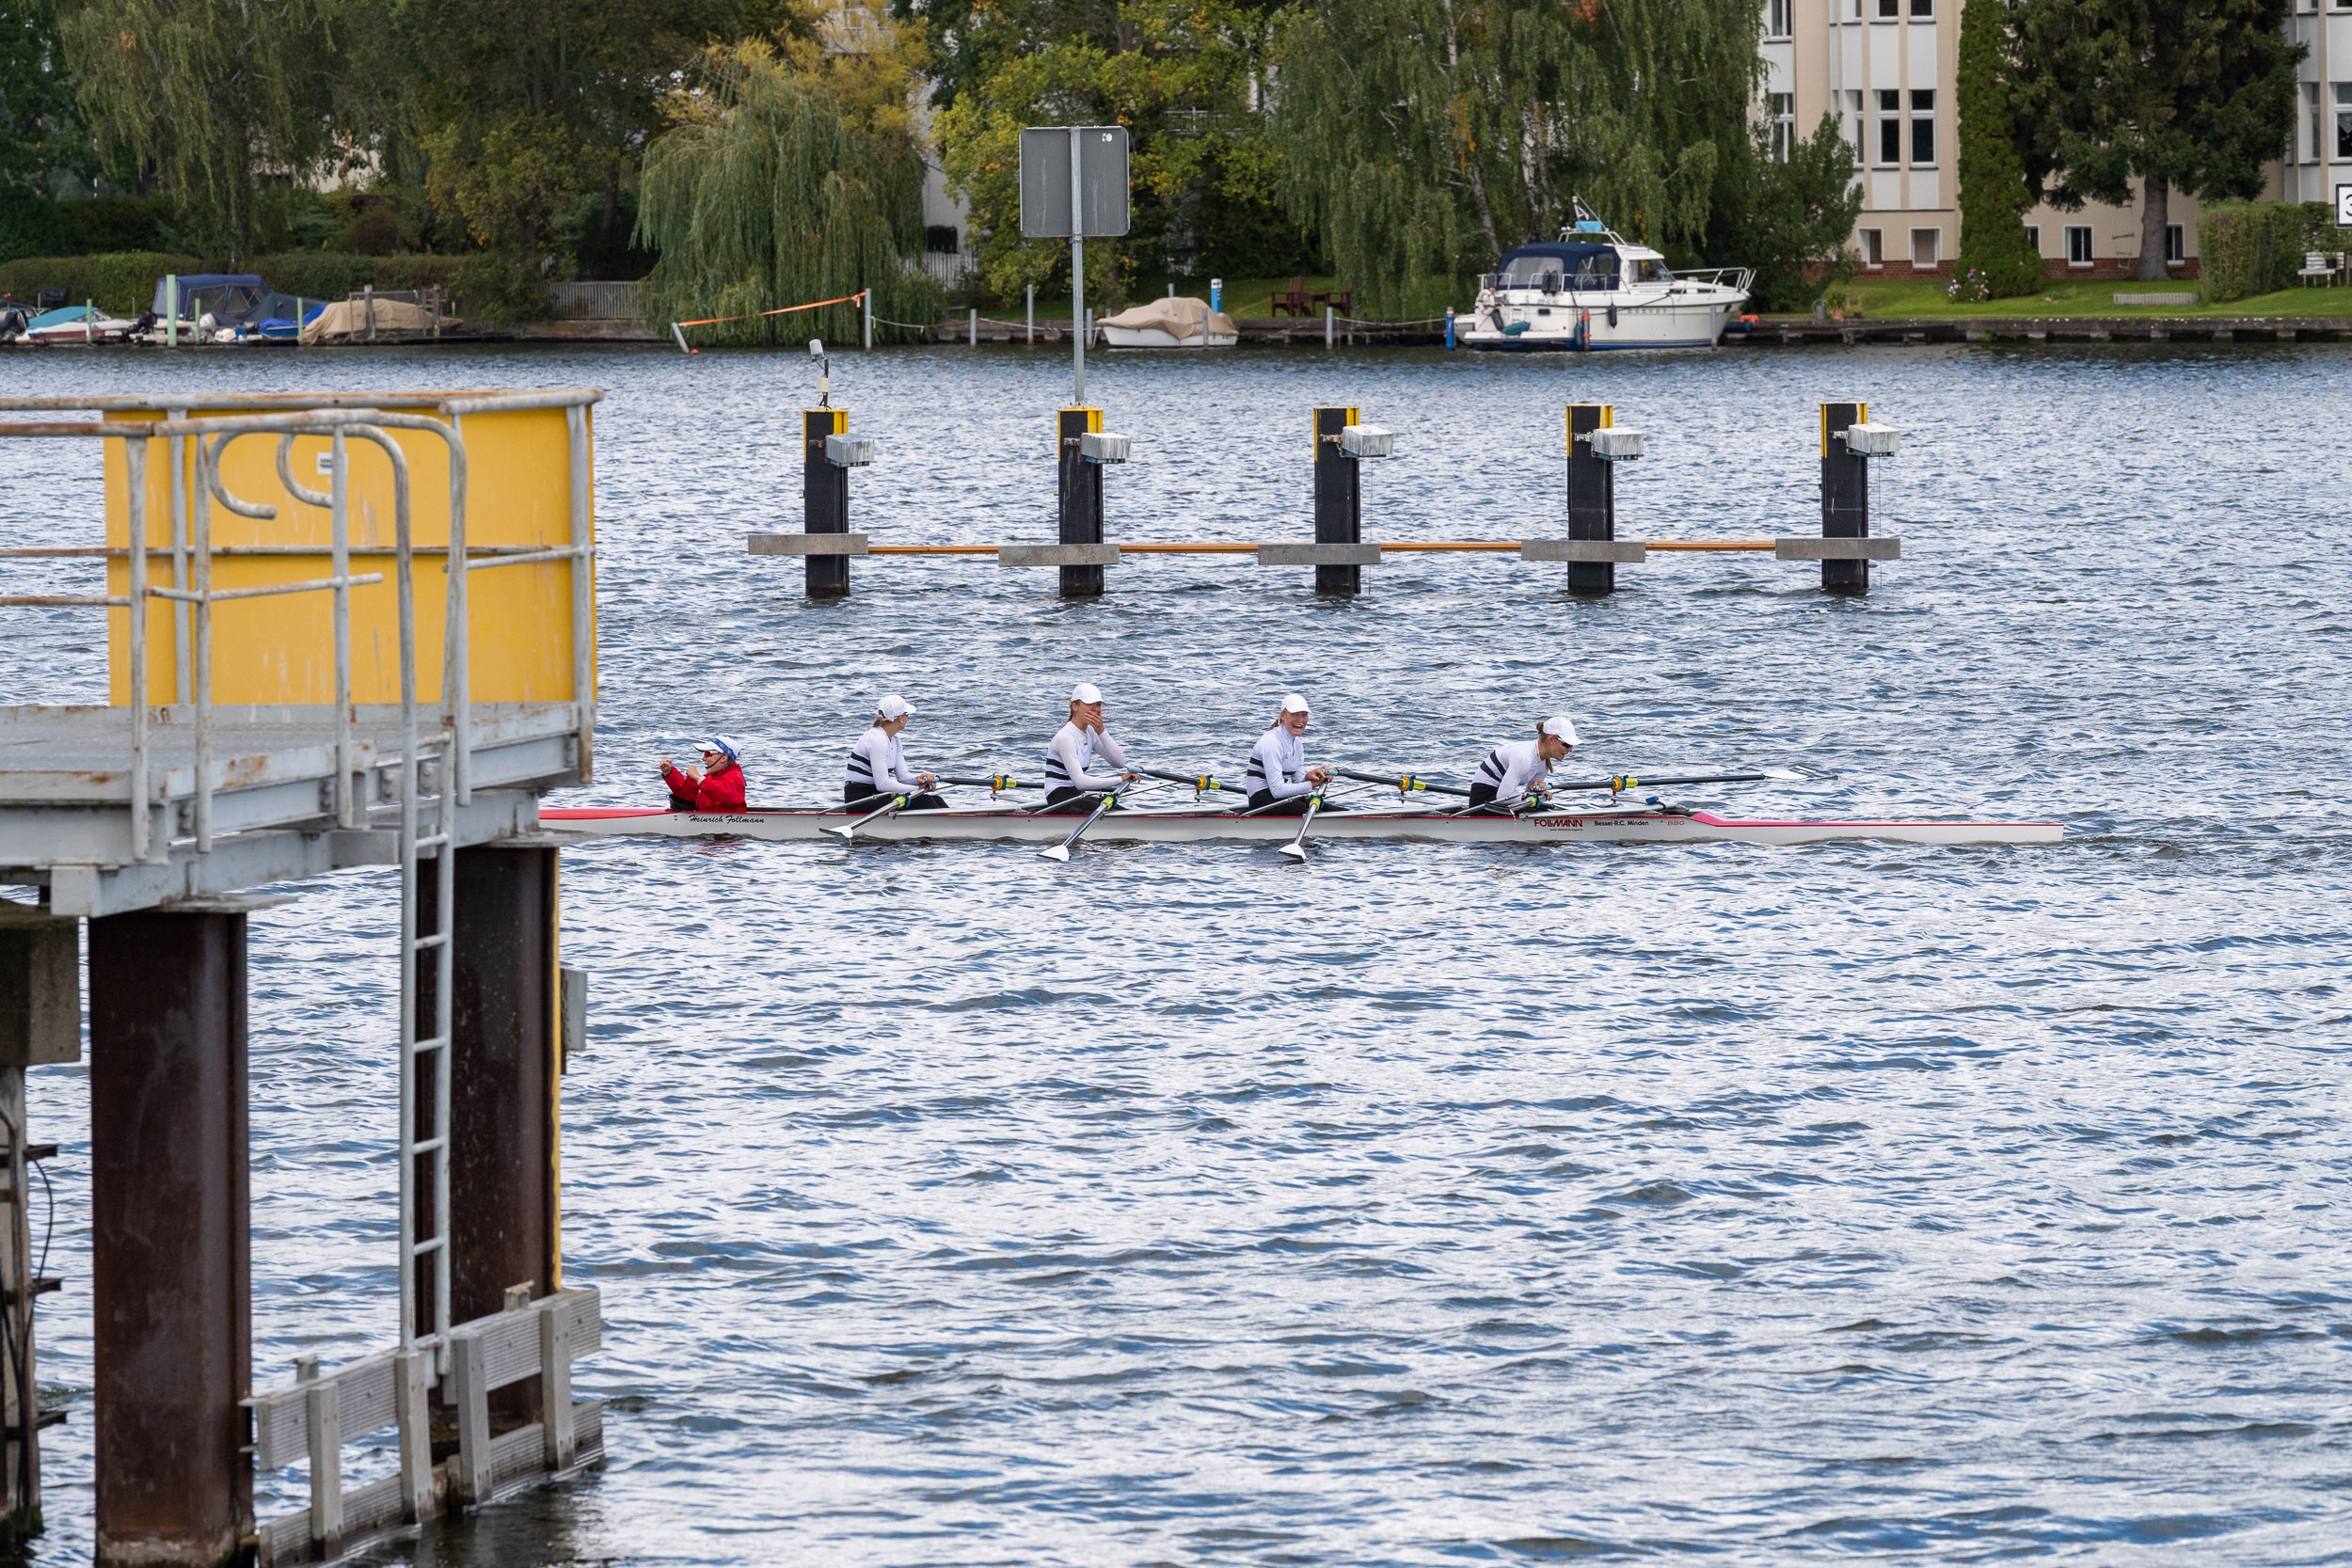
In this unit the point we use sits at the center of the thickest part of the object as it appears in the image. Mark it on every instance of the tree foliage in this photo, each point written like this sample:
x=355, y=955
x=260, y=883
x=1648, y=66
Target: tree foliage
x=1180, y=75
x=1421, y=137
x=1789, y=217
x=1992, y=194
x=209, y=98
x=39, y=138
x=2188, y=95
x=788, y=175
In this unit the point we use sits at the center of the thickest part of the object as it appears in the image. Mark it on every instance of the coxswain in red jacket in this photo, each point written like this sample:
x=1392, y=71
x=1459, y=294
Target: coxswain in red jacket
x=717, y=785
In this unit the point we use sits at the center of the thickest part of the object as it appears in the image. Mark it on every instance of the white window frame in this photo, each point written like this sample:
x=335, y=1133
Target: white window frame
x=2033, y=238
x=1922, y=10
x=1860, y=124
x=1917, y=114
x=1873, y=246
x=1779, y=18
x=2175, y=244
x=2090, y=251
x=1935, y=249
x=2310, y=102
x=2343, y=96
x=1782, y=108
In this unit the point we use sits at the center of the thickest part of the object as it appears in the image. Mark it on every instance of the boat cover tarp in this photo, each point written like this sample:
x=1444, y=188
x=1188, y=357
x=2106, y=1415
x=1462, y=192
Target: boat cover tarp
x=349, y=319
x=1576, y=266
x=1179, y=316
x=194, y=283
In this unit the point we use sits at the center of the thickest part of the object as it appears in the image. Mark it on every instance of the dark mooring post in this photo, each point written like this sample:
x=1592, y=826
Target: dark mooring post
x=1592, y=497
x=1338, y=498
x=171, y=1261
x=1081, y=498
x=1845, y=496
x=824, y=498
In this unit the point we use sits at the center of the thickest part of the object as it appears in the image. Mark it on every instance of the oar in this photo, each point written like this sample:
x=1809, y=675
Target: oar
x=1199, y=783
x=1061, y=851
x=1001, y=781
x=849, y=832
x=1403, y=783
x=1296, y=848
x=1627, y=781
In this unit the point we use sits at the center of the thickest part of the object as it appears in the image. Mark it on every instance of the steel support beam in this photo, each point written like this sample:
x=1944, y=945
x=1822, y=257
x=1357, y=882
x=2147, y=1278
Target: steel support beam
x=170, y=1257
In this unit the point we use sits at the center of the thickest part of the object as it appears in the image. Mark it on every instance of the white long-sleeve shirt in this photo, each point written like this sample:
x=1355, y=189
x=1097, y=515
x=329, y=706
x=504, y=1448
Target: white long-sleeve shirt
x=878, y=764
x=1510, y=767
x=1278, y=763
x=1071, y=749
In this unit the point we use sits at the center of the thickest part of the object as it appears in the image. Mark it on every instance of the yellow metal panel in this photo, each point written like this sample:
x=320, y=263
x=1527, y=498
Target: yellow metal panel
x=281, y=649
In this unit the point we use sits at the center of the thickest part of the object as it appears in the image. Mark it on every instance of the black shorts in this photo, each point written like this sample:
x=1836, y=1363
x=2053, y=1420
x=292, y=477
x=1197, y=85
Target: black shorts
x=1068, y=800
x=1263, y=805
x=1480, y=794
x=851, y=794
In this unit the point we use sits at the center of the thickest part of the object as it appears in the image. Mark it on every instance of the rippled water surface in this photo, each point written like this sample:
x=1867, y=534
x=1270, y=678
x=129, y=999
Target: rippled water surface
x=1423, y=1204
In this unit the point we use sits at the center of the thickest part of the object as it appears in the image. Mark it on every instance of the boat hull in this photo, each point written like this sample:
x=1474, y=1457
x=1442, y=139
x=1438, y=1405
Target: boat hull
x=967, y=824
x=1152, y=337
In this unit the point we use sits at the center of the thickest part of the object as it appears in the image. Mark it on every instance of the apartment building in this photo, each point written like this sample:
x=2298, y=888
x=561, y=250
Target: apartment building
x=1887, y=70
x=2320, y=155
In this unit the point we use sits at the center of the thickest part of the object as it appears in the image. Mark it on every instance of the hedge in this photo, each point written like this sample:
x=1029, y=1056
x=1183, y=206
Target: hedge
x=2257, y=247
x=123, y=283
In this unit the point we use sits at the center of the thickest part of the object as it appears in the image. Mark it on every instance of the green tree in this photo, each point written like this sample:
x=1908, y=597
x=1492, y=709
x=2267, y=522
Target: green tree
x=2187, y=95
x=37, y=136
x=1423, y=137
x=505, y=112
x=1992, y=195
x=1790, y=217
x=1182, y=76
x=788, y=176
x=213, y=99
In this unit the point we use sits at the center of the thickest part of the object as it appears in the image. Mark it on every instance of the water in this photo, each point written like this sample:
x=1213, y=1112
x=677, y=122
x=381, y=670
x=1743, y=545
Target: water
x=1424, y=1204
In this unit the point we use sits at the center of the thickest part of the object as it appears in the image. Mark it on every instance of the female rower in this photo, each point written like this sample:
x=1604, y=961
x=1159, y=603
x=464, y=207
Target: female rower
x=878, y=765
x=1077, y=743
x=717, y=785
x=1277, y=778
x=1511, y=768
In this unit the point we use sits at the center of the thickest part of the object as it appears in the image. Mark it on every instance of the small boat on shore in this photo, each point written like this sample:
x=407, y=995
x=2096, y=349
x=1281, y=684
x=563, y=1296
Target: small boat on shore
x=1596, y=289
x=1176, y=322
x=1202, y=824
x=77, y=323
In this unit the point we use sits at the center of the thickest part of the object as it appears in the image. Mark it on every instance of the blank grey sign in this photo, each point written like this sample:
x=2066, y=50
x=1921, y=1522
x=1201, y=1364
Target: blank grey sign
x=1045, y=179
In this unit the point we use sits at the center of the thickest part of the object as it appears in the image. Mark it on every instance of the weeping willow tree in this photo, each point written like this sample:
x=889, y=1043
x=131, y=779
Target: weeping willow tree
x=788, y=177
x=1423, y=137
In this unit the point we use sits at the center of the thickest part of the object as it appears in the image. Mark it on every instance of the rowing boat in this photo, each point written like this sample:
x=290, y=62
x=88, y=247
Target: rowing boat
x=1201, y=824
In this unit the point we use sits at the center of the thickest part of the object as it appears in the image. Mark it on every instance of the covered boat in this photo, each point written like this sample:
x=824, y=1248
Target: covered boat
x=1176, y=322
x=358, y=318
x=1594, y=290
x=232, y=307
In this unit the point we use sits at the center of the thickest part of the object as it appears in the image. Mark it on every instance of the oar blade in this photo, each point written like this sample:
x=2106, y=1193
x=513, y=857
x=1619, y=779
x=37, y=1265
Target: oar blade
x=1294, y=849
x=847, y=833
x=1054, y=852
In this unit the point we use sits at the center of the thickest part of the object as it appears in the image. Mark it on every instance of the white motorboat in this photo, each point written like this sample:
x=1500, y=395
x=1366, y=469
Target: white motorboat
x=1200, y=824
x=1596, y=289
x=78, y=324
x=1176, y=322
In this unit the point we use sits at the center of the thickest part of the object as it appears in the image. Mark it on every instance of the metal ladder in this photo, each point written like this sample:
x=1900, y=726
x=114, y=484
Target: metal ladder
x=433, y=1040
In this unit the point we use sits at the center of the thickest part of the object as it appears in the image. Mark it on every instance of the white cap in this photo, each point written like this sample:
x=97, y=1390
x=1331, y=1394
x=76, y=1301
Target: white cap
x=1558, y=724
x=1294, y=704
x=892, y=706
x=720, y=743
x=1085, y=694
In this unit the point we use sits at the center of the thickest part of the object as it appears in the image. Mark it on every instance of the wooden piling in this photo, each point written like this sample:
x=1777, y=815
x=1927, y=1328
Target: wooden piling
x=1592, y=497
x=170, y=1255
x=824, y=498
x=1845, y=496
x=1081, y=489
x=1339, y=499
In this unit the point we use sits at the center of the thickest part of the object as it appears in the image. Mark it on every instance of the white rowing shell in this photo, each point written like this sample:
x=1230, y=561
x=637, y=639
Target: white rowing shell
x=1188, y=825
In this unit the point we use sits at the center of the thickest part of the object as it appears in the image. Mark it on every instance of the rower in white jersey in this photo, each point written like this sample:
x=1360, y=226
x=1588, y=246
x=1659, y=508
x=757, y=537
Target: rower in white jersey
x=878, y=764
x=1076, y=744
x=1277, y=778
x=1517, y=766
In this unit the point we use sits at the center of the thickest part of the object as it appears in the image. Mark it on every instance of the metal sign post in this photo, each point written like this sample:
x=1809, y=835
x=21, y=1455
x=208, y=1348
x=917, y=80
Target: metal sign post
x=1074, y=182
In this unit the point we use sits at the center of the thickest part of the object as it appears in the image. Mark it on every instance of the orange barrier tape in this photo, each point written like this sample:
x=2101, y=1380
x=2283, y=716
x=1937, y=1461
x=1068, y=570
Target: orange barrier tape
x=783, y=311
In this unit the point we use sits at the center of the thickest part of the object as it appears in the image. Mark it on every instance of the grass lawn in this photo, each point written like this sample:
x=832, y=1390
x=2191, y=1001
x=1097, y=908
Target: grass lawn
x=2064, y=297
